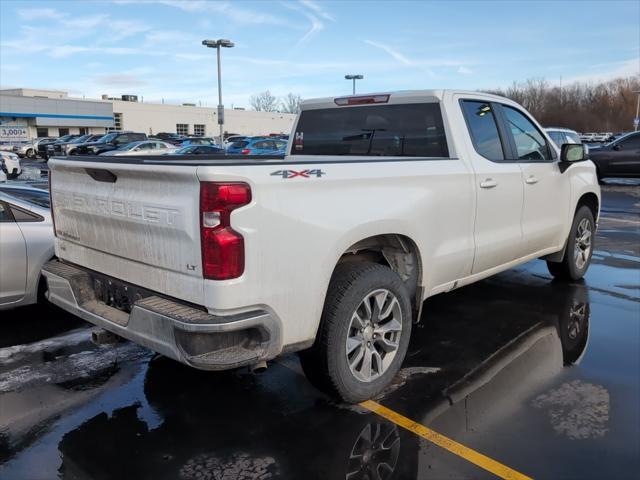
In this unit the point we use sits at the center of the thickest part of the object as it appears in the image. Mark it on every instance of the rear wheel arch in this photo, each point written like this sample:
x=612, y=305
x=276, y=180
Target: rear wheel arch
x=396, y=251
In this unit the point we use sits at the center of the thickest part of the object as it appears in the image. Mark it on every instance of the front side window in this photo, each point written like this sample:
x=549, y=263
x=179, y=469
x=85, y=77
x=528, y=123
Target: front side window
x=483, y=129
x=530, y=144
x=406, y=130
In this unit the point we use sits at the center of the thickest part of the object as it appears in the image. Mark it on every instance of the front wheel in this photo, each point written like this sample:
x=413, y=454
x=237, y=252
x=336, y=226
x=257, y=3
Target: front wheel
x=577, y=255
x=30, y=153
x=364, y=333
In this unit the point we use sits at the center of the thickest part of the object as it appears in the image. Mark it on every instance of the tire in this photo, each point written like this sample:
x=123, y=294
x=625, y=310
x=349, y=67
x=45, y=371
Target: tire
x=14, y=174
x=383, y=342
x=577, y=255
x=30, y=154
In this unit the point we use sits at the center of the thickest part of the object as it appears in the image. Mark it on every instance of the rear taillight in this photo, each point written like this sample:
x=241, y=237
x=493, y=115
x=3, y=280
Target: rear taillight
x=222, y=247
x=53, y=218
x=245, y=151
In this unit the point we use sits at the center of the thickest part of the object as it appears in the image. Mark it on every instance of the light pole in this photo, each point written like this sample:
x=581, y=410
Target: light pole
x=635, y=120
x=354, y=78
x=217, y=44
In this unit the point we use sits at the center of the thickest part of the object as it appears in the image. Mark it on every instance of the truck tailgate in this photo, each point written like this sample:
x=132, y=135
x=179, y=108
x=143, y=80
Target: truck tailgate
x=135, y=222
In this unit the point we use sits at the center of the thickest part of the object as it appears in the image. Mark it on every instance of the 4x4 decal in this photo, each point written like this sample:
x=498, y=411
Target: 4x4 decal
x=302, y=173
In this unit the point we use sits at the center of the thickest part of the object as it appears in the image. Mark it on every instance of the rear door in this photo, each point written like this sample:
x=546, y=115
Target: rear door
x=546, y=190
x=499, y=189
x=13, y=258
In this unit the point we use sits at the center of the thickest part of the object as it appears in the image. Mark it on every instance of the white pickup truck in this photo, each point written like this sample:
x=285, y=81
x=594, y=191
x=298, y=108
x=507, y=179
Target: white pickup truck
x=381, y=201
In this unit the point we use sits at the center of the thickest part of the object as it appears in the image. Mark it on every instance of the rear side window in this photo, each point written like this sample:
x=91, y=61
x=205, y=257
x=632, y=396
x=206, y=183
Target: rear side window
x=484, y=129
x=21, y=215
x=5, y=216
x=411, y=130
x=239, y=144
x=530, y=143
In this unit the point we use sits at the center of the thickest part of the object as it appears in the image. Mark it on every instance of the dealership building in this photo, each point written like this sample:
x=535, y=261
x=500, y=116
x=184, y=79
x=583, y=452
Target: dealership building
x=28, y=113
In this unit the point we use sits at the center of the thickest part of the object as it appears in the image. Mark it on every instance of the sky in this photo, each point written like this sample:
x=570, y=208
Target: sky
x=152, y=48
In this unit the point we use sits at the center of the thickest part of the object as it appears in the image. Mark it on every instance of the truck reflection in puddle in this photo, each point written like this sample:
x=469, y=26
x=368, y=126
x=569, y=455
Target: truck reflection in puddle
x=276, y=426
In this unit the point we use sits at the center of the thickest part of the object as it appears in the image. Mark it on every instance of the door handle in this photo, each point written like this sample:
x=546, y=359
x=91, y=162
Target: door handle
x=532, y=180
x=488, y=183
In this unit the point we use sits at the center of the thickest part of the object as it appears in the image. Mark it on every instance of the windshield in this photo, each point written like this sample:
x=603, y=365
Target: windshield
x=35, y=197
x=80, y=139
x=107, y=138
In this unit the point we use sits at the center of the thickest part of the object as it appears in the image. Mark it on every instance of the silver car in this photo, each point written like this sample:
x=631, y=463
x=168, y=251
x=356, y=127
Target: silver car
x=146, y=147
x=27, y=243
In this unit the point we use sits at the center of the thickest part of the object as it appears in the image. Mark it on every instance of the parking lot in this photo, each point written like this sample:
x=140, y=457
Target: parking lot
x=516, y=376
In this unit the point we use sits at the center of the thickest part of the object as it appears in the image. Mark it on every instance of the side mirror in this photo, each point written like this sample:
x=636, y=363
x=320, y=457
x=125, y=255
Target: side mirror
x=571, y=153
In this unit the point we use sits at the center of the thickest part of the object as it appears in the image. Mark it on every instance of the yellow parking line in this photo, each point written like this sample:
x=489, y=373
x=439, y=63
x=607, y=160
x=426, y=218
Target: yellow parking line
x=452, y=446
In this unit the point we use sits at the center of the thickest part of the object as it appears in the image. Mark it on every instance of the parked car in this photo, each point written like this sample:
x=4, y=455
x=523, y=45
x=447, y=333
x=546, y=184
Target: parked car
x=258, y=146
x=110, y=141
x=172, y=138
x=560, y=136
x=70, y=148
x=587, y=137
x=29, y=149
x=185, y=142
x=41, y=149
x=201, y=272
x=146, y=147
x=51, y=147
x=198, y=150
x=601, y=137
x=10, y=164
x=234, y=138
x=620, y=158
x=27, y=243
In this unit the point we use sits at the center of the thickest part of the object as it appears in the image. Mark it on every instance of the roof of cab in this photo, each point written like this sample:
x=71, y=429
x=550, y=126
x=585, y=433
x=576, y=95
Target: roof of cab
x=401, y=96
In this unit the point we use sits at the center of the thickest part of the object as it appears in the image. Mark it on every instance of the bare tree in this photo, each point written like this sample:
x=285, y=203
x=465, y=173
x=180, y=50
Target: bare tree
x=291, y=103
x=264, y=102
x=607, y=106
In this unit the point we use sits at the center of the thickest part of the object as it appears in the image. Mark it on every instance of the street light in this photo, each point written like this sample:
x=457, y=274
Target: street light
x=637, y=119
x=354, y=78
x=217, y=44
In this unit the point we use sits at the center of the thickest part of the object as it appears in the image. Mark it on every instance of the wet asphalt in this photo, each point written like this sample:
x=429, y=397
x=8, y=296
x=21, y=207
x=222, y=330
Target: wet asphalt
x=542, y=376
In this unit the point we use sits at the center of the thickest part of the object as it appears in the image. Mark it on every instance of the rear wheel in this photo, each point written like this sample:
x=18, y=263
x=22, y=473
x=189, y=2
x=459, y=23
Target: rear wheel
x=30, y=153
x=364, y=333
x=577, y=255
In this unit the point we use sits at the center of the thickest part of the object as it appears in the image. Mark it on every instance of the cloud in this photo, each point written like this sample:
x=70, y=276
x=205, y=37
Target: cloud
x=462, y=70
x=39, y=14
x=313, y=13
x=232, y=11
x=607, y=71
x=393, y=53
x=317, y=9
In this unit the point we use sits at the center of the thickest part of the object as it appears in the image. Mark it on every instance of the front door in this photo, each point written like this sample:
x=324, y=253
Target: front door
x=546, y=190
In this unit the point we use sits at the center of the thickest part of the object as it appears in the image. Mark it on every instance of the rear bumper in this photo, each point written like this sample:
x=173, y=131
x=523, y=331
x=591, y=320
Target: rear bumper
x=182, y=332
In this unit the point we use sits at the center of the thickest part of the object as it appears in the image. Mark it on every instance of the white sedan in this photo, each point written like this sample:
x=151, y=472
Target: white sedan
x=27, y=243
x=146, y=147
x=10, y=164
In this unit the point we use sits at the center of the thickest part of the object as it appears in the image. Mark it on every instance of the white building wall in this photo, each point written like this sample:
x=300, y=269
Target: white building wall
x=152, y=118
